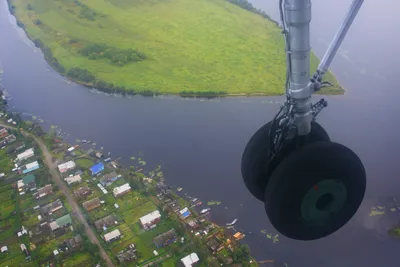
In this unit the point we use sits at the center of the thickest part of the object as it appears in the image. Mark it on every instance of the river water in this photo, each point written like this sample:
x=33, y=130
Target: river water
x=200, y=141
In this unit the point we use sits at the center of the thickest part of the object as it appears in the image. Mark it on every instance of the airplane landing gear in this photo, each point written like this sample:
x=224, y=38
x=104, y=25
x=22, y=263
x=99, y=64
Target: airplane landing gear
x=310, y=186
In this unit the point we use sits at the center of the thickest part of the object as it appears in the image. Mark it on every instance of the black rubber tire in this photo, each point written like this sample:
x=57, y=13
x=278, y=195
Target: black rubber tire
x=255, y=170
x=293, y=184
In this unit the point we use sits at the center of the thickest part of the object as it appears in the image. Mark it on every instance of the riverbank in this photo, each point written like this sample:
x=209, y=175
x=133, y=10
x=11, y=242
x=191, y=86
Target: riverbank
x=193, y=229
x=188, y=66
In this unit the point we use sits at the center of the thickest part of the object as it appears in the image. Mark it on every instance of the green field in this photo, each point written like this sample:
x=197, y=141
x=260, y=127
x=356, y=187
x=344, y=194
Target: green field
x=189, y=46
x=79, y=259
x=84, y=163
x=5, y=162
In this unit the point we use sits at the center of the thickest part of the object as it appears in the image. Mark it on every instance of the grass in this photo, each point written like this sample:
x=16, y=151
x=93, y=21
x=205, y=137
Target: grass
x=193, y=46
x=84, y=163
x=46, y=249
x=5, y=162
x=79, y=259
x=132, y=216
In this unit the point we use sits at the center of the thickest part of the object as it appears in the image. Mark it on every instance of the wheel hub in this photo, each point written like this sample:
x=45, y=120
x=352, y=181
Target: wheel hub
x=323, y=201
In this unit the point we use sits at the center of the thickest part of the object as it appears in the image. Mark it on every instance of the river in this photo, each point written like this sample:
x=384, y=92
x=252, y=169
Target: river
x=200, y=142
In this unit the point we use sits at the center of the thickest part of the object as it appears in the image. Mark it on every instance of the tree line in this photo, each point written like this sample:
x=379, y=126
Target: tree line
x=117, y=56
x=248, y=6
x=48, y=55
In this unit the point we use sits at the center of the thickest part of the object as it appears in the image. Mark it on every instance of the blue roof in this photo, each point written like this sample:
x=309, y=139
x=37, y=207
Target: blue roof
x=95, y=169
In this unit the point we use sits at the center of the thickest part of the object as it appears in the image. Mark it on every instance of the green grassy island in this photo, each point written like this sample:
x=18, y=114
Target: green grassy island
x=185, y=47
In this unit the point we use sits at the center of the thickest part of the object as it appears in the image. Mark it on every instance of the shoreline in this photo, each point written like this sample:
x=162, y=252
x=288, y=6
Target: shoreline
x=54, y=64
x=158, y=199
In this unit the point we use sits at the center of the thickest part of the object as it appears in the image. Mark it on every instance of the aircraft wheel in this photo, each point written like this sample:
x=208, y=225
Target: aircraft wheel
x=315, y=191
x=255, y=167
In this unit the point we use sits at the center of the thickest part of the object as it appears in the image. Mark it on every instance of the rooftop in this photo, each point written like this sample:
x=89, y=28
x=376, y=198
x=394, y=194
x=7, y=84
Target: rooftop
x=190, y=259
x=45, y=189
x=160, y=240
x=150, y=217
x=29, y=179
x=121, y=189
x=26, y=154
x=82, y=191
x=73, y=179
x=107, y=221
x=111, y=235
x=110, y=175
x=31, y=165
x=51, y=206
x=66, y=166
x=91, y=204
x=97, y=168
x=64, y=220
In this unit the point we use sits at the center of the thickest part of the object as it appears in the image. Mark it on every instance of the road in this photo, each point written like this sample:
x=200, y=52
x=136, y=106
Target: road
x=64, y=188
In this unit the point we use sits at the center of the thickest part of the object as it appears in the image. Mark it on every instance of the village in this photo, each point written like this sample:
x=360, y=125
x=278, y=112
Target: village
x=137, y=218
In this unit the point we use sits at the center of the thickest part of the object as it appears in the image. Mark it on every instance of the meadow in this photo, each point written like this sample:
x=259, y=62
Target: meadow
x=182, y=47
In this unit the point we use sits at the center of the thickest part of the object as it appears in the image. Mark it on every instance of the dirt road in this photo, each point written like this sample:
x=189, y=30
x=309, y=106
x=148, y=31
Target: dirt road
x=64, y=188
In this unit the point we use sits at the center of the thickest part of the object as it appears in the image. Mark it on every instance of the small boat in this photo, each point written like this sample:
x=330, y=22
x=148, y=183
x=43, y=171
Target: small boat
x=194, y=199
x=232, y=223
x=204, y=211
x=88, y=142
x=179, y=189
x=84, y=141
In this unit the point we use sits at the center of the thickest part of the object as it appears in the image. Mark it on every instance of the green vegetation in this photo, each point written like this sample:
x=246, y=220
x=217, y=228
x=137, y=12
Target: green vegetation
x=192, y=48
x=5, y=162
x=213, y=202
x=84, y=163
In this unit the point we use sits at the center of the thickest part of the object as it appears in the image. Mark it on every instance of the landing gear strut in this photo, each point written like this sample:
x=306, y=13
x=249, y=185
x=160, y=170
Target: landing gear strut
x=310, y=186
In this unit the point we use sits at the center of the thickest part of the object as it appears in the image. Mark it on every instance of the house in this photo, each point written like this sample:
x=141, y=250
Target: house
x=190, y=260
x=215, y=245
x=3, y=132
x=30, y=167
x=105, y=222
x=4, y=249
x=165, y=238
x=82, y=191
x=73, y=179
x=66, y=166
x=111, y=236
x=9, y=139
x=193, y=224
x=150, y=220
x=239, y=236
x=109, y=178
x=51, y=207
x=121, y=190
x=74, y=242
x=95, y=169
x=26, y=182
x=184, y=213
x=128, y=254
x=91, y=204
x=61, y=222
x=44, y=191
x=26, y=154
